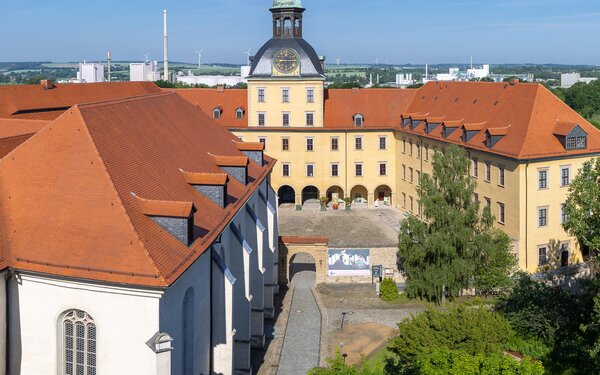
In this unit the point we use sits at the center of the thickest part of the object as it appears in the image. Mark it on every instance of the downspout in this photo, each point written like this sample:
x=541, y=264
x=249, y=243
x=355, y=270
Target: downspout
x=527, y=215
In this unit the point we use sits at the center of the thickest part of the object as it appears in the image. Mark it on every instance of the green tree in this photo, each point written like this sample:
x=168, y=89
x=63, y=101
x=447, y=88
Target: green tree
x=337, y=366
x=455, y=247
x=583, y=207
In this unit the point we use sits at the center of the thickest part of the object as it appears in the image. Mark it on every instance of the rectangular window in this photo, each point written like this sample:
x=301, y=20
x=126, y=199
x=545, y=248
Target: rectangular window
x=404, y=146
x=310, y=95
x=358, y=169
x=285, y=144
x=310, y=144
x=404, y=172
x=404, y=200
x=285, y=170
x=285, y=119
x=542, y=217
x=382, y=143
x=358, y=120
x=565, y=176
x=335, y=172
x=263, y=140
x=310, y=119
x=285, y=95
x=426, y=153
x=543, y=179
x=563, y=214
x=418, y=177
x=488, y=202
x=410, y=173
x=418, y=151
x=310, y=170
x=475, y=167
x=476, y=198
x=261, y=119
x=410, y=148
x=358, y=143
x=488, y=171
x=501, y=174
x=542, y=255
x=382, y=169
x=261, y=95
x=334, y=144
x=581, y=142
x=501, y=212
x=410, y=198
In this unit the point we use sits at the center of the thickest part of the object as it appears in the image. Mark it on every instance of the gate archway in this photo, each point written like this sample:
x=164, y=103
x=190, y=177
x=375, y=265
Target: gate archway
x=383, y=194
x=313, y=247
x=286, y=194
x=310, y=193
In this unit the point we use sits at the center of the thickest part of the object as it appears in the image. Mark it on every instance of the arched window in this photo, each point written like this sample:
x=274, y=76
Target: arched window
x=358, y=120
x=239, y=113
x=287, y=27
x=188, y=332
x=79, y=343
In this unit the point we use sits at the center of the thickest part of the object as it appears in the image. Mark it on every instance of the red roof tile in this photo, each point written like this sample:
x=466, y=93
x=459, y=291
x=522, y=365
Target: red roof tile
x=230, y=161
x=250, y=146
x=69, y=210
x=205, y=178
x=165, y=208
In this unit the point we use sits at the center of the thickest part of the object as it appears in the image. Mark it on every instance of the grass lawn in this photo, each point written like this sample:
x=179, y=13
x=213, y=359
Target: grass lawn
x=376, y=362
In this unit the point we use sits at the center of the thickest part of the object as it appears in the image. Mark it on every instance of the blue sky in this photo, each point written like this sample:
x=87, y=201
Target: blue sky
x=394, y=31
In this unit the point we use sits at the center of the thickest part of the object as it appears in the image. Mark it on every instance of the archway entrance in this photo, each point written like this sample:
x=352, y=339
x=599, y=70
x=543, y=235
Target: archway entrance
x=333, y=192
x=383, y=194
x=303, y=270
x=359, y=194
x=302, y=254
x=310, y=193
x=286, y=194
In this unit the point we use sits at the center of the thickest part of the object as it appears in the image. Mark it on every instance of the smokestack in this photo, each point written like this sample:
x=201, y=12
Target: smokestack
x=108, y=59
x=426, y=71
x=166, y=47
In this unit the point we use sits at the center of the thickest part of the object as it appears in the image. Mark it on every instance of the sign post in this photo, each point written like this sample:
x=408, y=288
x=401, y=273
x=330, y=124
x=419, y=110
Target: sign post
x=376, y=273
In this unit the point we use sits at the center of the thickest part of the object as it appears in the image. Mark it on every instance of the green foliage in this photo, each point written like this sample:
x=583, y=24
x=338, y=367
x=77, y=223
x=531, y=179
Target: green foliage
x=337, y=366
x=178, y=85
x=415, y=86
x=583, y=207
x=447, y=362
x=455, y=247
x=584, y=98
x=389, y=290
x=545, y=315
x=470, y=330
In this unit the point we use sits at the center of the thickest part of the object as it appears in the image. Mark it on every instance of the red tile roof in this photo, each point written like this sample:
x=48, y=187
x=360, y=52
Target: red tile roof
x=35, y=102
x=14, y=132
x=165, y=208
x=67, y=203
x=250, y=146
x=205, y=178
x=230, y=161
x=527, y=115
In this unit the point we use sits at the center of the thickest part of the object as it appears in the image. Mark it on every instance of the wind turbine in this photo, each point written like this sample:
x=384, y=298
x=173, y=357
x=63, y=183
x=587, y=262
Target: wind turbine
x=199, y=58
x=338, y=61
x=146, y=56
x=248, y=54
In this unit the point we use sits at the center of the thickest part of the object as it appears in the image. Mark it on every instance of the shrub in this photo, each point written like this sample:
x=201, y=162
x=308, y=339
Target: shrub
x=474, y=331
x=389, y=290
x=532, y=347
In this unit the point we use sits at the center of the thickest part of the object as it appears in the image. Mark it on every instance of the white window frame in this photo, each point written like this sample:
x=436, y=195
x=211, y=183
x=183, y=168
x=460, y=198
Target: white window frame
x=362, y=169
x=286, y=95
x=562, y=169
x=264, y=117
x=488, y=172
x=312, y=166
x=312, y=140
x=546, y=217
x=337, y=166
x=359, y=120
x=289, y=119
x=261, y=94
x=282, y=144
x=310, y=114
x=384, y=139
x=546, y=179
x=358, y=138
x=501, y=176
x=310, y=98
x=384, y=165
x=501, y=212
x=289, y=168
x=546, y=255
x=475, y=170
x=78, y=317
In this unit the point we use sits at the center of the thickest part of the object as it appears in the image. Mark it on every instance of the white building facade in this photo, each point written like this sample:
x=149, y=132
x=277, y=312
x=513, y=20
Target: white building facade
x=90, y=73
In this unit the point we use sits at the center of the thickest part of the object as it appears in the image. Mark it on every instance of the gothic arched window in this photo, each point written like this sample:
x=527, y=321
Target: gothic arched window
x=188, y=332
x=79, y=343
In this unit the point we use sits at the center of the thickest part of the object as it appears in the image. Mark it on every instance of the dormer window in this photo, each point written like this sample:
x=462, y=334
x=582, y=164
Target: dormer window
x=217, y=113
x=406, y=122
x=493, y=135
x=358, y=120
x=571, y=135
x=239, y=113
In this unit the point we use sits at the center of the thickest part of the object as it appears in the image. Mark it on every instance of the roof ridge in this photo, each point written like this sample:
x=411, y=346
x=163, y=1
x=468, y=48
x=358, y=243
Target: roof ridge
x=116, y=192
x=103, y=103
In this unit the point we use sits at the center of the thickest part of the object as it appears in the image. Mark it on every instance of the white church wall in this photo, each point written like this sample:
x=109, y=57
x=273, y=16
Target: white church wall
x=222, y=306
x=125, y=319
x=254, y=238
x=274, y=234
x=3, y=326
x=197, y=277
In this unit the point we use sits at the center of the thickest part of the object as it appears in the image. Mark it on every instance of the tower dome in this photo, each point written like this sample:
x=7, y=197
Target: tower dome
x=287, y=53
x=287, y=4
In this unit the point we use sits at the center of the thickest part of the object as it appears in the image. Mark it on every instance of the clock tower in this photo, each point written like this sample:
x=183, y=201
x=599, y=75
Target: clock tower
x=286, y=81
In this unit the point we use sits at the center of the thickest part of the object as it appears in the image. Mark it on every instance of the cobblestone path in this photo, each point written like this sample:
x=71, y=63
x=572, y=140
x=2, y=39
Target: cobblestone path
x=303, y=334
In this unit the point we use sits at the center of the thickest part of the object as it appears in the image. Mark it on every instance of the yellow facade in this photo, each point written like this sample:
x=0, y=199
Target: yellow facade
x=273, y=105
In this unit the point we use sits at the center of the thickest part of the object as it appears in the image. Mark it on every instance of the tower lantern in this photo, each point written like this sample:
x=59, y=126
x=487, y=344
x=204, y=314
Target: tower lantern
x=287, y=18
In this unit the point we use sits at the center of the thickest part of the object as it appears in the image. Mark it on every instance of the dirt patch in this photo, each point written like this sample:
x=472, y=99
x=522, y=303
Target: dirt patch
x=360, y=340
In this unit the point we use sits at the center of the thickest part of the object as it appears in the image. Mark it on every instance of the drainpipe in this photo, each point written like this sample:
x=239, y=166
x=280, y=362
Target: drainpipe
x=527, y=215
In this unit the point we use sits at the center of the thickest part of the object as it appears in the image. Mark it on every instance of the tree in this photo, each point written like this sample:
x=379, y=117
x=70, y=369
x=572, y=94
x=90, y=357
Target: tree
x=337, y=366
x=582, y=208
x=455, y=247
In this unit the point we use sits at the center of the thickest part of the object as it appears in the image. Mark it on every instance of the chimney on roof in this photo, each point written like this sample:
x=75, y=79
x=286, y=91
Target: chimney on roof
x=220, y=88
x=47, y=84
x=514, y=81
x=212, y=185
x=355, y=90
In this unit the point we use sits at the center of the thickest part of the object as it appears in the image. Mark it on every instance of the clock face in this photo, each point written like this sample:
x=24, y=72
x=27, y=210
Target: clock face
x=285, y=60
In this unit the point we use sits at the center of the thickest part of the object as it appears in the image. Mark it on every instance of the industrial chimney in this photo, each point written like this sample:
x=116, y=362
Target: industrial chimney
x=166, y=78
x=108, y=58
